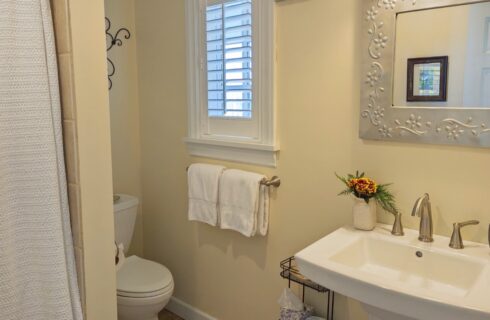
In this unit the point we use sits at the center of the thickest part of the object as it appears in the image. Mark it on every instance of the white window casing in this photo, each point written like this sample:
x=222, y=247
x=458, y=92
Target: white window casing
x=251, y=138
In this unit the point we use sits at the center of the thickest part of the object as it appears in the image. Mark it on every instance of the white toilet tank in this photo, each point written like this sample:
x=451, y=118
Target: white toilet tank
x=125, y=211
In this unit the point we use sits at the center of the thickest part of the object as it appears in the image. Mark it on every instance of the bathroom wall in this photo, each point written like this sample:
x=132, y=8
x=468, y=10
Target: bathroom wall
x=318, y=57
x=87, y=150
x=221, y=272
x=94, y=157
x=124, y=110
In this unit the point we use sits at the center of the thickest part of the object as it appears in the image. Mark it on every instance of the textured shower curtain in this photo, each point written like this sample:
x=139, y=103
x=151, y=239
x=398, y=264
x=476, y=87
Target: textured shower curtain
x=37, y=268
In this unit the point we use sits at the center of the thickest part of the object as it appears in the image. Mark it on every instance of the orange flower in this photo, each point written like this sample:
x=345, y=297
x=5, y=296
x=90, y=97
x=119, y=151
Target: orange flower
x=351, y=183
x=364, y=186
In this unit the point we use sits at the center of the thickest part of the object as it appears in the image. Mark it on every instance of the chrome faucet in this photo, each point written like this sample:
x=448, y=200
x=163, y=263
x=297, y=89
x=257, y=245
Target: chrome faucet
x=423, y=210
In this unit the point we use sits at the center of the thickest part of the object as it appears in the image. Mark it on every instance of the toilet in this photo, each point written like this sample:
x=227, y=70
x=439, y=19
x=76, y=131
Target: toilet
x=144, y=287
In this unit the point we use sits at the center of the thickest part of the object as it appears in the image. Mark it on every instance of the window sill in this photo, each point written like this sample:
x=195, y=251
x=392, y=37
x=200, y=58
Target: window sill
x=251, y=153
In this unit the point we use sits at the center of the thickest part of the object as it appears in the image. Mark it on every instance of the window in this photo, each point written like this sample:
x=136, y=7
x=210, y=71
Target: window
x=229, y=59
x=230, y=75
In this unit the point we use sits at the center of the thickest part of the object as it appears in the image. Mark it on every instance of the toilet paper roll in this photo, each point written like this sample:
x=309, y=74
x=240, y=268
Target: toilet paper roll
x=120, y=257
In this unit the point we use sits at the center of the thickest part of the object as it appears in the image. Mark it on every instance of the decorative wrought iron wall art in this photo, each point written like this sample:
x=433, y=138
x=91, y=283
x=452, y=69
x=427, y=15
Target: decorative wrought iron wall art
x=112, y=40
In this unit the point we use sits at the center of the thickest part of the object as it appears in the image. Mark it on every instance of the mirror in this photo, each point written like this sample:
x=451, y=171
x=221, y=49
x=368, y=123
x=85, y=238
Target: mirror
x=426, y=71
x=442, y=57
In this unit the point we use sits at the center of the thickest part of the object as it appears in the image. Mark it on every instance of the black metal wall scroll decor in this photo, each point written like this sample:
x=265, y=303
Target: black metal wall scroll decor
x=113, y=40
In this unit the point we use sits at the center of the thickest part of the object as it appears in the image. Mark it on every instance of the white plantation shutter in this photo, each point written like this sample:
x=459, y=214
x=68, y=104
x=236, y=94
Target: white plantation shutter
x=229, y=59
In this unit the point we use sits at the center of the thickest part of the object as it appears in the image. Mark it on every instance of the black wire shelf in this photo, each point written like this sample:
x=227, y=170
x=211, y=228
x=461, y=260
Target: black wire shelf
x=291, y=273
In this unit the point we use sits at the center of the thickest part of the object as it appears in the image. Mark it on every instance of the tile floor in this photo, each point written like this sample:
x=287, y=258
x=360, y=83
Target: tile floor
x=167, y=315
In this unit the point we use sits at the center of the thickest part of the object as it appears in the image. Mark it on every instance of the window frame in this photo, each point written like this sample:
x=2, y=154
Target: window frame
x=259, y=145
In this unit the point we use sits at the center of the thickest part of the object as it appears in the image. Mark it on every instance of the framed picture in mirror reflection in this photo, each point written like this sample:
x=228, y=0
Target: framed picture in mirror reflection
x=427, y=78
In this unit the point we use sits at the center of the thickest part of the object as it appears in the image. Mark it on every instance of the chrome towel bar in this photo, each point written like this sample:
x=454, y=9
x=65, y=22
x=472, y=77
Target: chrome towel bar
x=275, y=181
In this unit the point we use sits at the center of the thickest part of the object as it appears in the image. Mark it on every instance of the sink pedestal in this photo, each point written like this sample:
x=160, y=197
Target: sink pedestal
x=380, y=314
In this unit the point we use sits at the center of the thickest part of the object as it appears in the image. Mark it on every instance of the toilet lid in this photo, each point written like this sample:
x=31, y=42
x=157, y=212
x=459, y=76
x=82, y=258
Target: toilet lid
x=138, y=275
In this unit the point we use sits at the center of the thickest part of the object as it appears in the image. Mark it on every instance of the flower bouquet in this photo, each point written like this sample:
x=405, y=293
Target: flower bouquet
x=367, y=193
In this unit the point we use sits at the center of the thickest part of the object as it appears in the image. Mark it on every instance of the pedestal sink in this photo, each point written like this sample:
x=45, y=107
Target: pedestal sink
x=401, y=278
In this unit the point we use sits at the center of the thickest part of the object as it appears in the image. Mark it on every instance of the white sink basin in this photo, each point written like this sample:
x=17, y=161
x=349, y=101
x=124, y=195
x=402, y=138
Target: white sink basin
x=386, y=274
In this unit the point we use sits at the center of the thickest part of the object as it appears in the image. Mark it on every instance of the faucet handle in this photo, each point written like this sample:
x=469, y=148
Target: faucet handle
x=456, y=239
x=398, y=227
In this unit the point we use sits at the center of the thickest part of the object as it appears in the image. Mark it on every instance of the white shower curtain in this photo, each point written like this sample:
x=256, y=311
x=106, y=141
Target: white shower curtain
x=37, y=268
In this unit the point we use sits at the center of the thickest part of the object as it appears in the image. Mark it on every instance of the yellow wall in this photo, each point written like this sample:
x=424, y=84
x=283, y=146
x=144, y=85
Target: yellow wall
x=94, y=145
x=124, y=106
x=318, y=57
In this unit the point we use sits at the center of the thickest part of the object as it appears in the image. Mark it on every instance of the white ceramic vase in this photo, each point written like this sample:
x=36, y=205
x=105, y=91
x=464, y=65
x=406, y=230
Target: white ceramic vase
x=364, y=214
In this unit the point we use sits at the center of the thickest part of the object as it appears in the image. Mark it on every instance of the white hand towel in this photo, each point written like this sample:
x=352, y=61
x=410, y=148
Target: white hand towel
x=263, y=211
x=239, y=201
x=203, y=181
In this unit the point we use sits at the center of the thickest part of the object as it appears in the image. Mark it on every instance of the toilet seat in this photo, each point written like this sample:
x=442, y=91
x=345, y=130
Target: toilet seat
x=141, y=278
x=154, y=294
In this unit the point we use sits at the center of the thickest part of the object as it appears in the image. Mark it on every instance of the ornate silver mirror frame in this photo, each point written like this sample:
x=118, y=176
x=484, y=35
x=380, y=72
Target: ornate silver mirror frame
x=379, y=119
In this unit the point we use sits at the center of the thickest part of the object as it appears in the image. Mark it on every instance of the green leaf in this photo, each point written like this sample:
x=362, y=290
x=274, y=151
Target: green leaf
x=342, y=179
x=386, y=199
x=345, y=193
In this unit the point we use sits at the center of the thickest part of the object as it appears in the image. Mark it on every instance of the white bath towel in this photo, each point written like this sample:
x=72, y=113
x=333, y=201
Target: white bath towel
x=239, y=200
x=37, y=269
x=203, y=183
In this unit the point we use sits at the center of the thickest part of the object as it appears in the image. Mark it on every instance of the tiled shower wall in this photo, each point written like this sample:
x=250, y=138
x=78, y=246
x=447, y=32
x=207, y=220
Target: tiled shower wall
x=65, y=66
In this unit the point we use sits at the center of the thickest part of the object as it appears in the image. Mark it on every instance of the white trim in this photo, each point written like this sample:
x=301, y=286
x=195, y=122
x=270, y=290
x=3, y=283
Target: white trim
x=260, y=149
x=264, y=155
x=264, y=66
x=193, y=65
x=186, y=311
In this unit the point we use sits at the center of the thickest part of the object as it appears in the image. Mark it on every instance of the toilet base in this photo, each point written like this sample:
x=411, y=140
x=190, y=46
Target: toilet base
x=142, y=308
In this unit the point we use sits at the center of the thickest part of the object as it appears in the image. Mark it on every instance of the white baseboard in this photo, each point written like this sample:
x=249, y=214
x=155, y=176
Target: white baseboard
x=186, y=311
